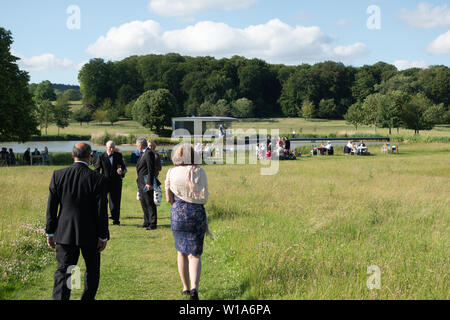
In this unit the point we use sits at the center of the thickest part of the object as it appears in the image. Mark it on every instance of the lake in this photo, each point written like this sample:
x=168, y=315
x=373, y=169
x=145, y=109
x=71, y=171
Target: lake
x=56, y=146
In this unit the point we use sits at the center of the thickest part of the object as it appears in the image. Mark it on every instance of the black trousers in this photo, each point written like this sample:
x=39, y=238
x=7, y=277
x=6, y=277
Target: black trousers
x=67, y=257
x=115, y=196
x=149, y=208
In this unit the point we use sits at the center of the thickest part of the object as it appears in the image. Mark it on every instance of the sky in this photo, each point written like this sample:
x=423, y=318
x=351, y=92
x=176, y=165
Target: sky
x=55, y=38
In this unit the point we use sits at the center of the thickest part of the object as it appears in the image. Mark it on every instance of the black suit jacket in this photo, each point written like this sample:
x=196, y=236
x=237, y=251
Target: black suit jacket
x=80, y=195
x=103, y=166
x=145, y=167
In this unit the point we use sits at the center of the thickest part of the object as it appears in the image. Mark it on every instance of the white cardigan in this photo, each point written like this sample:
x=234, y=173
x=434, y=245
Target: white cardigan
x=177, y=182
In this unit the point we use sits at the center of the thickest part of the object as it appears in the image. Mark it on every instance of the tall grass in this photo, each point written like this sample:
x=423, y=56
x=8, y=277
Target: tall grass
x=308, y=232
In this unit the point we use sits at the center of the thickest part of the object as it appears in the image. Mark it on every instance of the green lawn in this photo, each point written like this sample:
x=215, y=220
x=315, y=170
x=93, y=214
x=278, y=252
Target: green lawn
x=320, y=126
x=308, y=232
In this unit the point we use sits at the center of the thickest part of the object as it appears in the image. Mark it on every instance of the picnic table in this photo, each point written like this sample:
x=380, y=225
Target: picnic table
x=37, y=159
x=319, y=151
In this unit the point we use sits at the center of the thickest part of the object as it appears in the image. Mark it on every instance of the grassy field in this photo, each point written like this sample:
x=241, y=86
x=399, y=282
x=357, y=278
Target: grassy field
x=320, y=126
x=308, y=232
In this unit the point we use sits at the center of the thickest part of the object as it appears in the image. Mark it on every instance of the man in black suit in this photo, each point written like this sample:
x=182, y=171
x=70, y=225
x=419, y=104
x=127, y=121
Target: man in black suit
x=146, y=175
x=81, y=223
x=112, y=166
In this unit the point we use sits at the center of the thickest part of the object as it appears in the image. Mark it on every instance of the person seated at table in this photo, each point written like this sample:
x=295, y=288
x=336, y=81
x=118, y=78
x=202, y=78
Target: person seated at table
x=27, y=156
x=35, y=154
x=348, y=148
x=12, y=158
x=330, y=149
x=45, y=155
x=361, y=148
x=4, y=155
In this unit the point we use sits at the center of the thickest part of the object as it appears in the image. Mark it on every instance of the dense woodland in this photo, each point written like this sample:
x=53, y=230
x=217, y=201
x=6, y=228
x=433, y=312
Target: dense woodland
x=205, y=86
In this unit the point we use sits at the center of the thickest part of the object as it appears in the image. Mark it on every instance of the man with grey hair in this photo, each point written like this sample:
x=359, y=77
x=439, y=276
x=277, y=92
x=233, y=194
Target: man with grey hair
x=145, y=168
x=111, y=165
x=77, y=219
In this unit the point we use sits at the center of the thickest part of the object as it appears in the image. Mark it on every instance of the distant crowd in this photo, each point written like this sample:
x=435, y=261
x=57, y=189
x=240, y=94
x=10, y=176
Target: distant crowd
x=8, y=157
x=283, y=151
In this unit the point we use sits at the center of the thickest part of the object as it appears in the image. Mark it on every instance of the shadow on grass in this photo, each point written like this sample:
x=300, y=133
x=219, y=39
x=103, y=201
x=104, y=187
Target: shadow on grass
x=215, y=211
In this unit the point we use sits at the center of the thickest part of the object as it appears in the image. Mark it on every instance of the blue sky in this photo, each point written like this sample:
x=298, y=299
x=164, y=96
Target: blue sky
x=410, y=33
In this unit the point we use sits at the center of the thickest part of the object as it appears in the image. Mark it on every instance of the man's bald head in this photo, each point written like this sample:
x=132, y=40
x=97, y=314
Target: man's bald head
x=81, y=151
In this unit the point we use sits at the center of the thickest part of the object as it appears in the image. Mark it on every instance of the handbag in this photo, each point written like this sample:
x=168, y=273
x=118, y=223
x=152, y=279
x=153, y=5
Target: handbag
x=157, y=194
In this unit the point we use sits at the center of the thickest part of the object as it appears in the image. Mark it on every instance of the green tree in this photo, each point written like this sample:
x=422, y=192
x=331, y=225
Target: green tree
x=355, y=115
x=242, y=108
x=17, y=110
x=373, y=107
x=421, y=114
x=98, y=81
x=100, y=115
x=71, y=95
x=222, y=108
x=398, y=101
x=62, y=113
x=327, y=109
x=113, y=115
x=155, y=109
x=84, y=114
x=44, y=91
x=45, y=114
x=308, y=110
x=206, y=109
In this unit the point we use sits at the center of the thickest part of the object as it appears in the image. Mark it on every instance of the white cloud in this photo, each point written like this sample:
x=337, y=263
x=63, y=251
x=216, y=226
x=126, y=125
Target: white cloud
x=274, y=41
x=353, y=51
x=137, y=37
x=425, y=16
x=440, y=45
x=186, y=8
x=405, y=64
x=47, y=61
x=342, y=22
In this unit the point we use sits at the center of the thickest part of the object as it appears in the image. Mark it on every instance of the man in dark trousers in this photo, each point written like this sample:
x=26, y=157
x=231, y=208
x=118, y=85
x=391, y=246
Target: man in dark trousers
x=77, y=219
x=112, y=166
x=145, y=168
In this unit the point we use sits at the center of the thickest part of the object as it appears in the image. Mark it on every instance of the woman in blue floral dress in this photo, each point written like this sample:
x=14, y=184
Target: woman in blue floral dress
x=187, y=192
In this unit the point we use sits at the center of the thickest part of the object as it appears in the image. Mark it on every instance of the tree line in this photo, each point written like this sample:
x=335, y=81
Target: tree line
x=377, y=95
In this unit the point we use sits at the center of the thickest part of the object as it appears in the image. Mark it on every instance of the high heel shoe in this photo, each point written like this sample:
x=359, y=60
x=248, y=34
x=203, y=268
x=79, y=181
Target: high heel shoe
x=194, y=294
x=186, y=293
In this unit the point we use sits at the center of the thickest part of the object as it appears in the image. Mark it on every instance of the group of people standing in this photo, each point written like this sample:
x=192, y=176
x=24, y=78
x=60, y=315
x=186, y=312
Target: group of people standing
x=77, y=218
x=264, y=150
x=7, y=158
